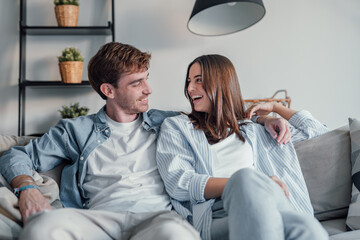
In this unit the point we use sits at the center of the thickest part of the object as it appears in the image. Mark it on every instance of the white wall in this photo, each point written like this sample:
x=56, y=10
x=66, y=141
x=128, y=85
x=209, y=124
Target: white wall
x=311, y=48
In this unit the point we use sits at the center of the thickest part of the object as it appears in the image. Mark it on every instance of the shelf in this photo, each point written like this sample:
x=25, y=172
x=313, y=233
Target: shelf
x=49, y=30
x=27, y=83
x=25, y=30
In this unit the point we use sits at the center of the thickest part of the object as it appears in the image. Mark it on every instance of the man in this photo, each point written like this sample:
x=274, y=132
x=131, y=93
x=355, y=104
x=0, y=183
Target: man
x=110, y=187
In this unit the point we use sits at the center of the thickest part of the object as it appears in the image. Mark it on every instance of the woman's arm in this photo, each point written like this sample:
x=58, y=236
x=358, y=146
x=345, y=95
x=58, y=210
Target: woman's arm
x=277, y=127
x=266, y=108
x=184, y=174
x=305, y=126
x=214, y=187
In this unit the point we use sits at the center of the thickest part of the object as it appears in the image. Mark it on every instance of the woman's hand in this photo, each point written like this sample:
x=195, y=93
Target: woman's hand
x=268, y=107
x=282, y=185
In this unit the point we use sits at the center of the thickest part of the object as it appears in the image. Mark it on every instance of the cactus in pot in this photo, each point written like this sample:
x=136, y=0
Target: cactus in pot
x=71, y=65
x=67, y=12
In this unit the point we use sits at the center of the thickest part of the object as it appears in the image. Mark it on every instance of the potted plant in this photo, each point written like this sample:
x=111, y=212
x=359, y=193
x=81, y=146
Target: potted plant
x=71, y=65
x=73, y=111
x=67, y=12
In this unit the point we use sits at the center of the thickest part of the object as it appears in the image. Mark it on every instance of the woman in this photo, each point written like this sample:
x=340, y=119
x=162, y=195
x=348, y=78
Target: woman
x=223, y=172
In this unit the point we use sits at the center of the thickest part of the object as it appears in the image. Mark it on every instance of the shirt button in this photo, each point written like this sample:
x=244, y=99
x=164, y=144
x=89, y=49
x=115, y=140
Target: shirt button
x=98, y=141
x=83, y=204
x=81, y=158
x=106, y=131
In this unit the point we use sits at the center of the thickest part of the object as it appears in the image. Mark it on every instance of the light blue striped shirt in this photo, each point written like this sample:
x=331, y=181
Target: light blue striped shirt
x=184, y=160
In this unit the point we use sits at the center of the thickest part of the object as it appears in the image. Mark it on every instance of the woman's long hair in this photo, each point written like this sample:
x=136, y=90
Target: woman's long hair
x=221, y=85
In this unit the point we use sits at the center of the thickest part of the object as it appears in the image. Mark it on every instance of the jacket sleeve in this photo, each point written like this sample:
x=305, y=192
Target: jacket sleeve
x=176, y=162
x=304, y=126
x=40, y=154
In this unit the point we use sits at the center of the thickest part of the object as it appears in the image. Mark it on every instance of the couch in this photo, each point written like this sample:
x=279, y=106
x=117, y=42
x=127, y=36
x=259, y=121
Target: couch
x=326, y=165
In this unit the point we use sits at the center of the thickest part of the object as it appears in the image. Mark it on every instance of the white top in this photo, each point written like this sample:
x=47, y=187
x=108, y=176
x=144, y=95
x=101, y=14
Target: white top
x=122, y=174
x=230, y=155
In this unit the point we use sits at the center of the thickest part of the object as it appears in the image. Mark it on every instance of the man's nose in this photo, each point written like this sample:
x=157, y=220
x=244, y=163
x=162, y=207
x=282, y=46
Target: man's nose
x=147, y=89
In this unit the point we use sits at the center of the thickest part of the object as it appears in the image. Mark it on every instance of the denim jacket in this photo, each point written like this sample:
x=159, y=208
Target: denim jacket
x=70, y=141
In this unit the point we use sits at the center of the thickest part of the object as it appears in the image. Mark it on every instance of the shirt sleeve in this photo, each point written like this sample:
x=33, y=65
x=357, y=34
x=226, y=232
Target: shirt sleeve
x=40, y=154
x=176, y=162
x=304, y=126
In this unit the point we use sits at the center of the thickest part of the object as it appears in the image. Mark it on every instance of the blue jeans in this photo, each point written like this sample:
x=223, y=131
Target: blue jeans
x=255, y=207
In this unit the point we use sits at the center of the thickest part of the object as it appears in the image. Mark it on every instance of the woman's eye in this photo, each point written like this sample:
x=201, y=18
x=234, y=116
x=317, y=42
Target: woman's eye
x=198, y=80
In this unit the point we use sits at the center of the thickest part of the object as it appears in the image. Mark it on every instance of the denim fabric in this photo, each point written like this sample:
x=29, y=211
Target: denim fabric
x=70, y=141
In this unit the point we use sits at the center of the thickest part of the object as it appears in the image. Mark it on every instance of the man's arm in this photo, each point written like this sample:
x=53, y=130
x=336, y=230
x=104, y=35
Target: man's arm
x=40, y=154
x=277, y=127
x=30, y=200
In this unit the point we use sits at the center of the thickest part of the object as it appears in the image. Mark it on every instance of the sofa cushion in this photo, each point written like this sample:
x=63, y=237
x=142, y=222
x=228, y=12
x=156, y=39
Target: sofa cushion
x=352, y=235
x=353, y=218
x=334, y=226
x=6, y=142
x=325, y=162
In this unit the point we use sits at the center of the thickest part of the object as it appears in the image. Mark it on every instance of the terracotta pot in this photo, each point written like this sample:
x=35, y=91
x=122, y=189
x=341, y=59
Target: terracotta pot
x=67, y=15
x=71, y=72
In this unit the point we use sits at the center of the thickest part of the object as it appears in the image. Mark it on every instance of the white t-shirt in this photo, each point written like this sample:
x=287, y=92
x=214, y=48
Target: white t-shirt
x=231, y=155
x=122, y=174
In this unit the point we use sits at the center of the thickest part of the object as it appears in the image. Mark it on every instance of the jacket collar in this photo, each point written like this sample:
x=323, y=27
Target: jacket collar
x=101, y=125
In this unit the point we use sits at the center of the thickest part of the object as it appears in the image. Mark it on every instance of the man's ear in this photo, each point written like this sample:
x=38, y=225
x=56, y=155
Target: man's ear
x=107, y=89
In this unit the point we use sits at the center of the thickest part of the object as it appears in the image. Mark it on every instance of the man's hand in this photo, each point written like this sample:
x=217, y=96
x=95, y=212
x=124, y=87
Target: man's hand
x=282, y=185
x=32, y=201
x=277, y=127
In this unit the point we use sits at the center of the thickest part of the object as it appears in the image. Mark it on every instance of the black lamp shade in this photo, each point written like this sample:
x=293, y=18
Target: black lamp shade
x=220, y=17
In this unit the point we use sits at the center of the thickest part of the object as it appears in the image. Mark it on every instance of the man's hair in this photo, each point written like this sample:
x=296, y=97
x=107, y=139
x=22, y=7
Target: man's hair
x=221, y=85
x=112, y=61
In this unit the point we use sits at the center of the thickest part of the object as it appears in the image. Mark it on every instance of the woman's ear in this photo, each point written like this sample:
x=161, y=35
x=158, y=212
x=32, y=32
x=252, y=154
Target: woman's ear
x=107, y=89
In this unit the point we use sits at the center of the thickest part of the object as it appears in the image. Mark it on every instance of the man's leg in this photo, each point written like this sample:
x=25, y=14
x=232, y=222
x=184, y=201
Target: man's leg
x=76, y=224
x=258, y=209
x=68, y=223
x=165, y=226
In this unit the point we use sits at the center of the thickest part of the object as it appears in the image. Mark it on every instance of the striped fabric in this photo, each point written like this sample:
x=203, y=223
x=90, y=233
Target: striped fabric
x=185, y=164
x=353, y=218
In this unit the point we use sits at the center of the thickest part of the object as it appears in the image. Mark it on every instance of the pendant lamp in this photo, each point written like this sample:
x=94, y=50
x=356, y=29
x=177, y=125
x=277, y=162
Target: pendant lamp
x=220, y=17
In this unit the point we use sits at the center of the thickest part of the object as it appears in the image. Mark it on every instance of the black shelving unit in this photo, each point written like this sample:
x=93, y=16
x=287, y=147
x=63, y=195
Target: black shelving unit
x=49, y=31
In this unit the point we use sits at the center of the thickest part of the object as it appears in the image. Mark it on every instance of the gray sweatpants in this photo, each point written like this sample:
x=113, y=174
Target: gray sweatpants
x=69, y=223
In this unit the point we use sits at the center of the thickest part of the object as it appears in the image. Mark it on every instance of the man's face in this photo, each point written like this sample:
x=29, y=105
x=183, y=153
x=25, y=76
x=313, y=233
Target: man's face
x=131, y=94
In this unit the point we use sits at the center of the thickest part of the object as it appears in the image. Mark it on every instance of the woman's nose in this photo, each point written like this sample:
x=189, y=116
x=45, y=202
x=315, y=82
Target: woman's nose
x=190, y=87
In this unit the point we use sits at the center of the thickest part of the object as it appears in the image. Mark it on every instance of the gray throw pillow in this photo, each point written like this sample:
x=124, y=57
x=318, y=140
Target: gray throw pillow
x=353, y=218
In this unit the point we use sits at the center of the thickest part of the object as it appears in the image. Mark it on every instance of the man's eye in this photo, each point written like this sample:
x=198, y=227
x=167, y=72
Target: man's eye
x=135, y=84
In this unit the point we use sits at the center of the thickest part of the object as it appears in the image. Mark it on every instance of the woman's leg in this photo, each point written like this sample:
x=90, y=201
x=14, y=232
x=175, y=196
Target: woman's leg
x=258, y=209
x=220, y=228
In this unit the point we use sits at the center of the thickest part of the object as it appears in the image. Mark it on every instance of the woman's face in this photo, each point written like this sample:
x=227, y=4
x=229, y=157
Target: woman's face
x=196, y=90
